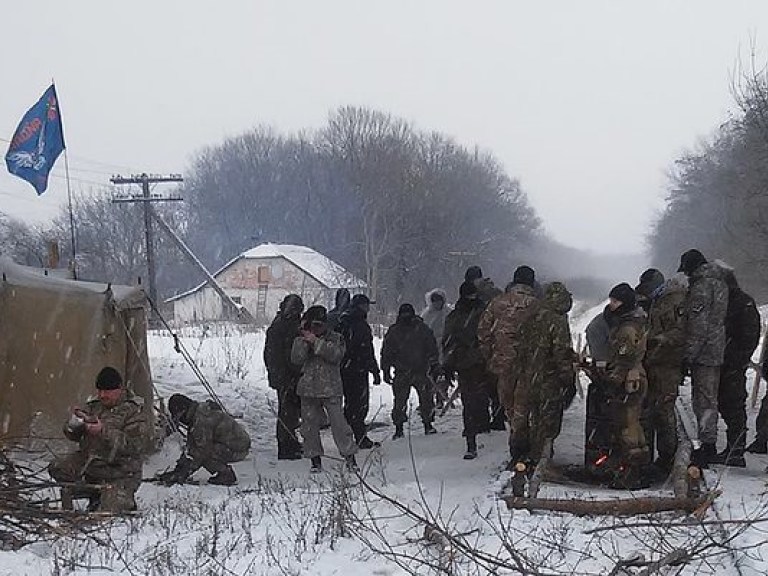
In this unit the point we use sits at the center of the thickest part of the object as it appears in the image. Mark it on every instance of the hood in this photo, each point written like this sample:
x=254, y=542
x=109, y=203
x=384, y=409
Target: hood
x=342, y=298
x=557, y=298
x=439, y=292
x=677, y=283
x=709, y=270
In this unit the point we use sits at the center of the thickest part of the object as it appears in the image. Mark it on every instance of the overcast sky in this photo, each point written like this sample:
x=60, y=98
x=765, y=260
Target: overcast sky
x=586, y=102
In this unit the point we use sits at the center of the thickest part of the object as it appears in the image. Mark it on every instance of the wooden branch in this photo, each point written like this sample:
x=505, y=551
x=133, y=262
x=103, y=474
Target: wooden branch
x=616, y=507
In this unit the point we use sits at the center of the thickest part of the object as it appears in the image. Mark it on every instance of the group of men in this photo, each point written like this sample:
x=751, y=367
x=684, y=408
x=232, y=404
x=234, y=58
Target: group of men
x=511, y=355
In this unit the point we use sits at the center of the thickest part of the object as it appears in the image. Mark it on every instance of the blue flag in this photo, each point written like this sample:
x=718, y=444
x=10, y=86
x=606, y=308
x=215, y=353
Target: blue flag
x=37, y=142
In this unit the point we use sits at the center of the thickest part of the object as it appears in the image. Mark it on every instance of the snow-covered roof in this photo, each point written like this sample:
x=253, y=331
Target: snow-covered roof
x=320, y=267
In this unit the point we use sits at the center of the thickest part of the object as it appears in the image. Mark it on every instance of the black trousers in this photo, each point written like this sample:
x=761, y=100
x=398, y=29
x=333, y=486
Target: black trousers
x=474, y=387
x=288, y=418
x=356, y=401
x=732, y=404
x=401, y=390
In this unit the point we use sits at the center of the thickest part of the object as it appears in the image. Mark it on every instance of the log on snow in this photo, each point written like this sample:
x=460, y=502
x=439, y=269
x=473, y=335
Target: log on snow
x=616, y=507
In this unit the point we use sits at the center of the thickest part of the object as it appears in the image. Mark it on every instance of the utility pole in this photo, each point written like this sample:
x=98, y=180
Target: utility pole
x=146, y=197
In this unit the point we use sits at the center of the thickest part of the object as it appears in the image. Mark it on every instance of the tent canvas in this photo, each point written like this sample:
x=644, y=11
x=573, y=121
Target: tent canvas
x=56, y=335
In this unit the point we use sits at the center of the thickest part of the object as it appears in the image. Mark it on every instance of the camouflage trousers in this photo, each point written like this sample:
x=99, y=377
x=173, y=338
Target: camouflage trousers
x=630, y=434
x=116, y=486
x=219, y=457
x=662, y=392
x=704, y=384
x=520, y=418
x=732, y=404
x=546, y=406
x=313, y=411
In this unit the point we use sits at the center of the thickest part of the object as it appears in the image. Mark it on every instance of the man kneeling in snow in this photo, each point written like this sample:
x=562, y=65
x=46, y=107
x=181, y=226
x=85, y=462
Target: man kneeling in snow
x=111, y=431
x=214, y=440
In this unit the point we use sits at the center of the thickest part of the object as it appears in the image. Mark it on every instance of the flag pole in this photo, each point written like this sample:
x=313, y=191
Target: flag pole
x=69, y=200
x=71, y=215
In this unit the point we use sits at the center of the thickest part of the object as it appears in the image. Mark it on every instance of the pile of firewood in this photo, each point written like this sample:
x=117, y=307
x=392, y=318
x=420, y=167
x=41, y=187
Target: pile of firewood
x=29, y=509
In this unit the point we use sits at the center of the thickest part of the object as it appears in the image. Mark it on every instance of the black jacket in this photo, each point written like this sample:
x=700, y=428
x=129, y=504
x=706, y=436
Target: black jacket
x=409, y=346
x=742, y=327
x=358, y=339
x=281, y=372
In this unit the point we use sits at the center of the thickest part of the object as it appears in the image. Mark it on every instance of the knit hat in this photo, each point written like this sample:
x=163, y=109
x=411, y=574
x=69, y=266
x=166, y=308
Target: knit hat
x=406, y=311
x=108, y=379
x=467, y=289
x=691, y=260
x=473, y=273
x=625, y=294
x=315, y=314
x=650, y=280
x=524, y=275
x=178, y=404
x=360, y=300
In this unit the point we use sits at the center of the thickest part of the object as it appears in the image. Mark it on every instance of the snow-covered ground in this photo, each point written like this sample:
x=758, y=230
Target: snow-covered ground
x=281, y=520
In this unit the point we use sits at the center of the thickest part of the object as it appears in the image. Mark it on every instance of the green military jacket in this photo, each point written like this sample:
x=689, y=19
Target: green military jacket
x=666, y=325
x=211, y=426
x=627, y=346
x=123, y=437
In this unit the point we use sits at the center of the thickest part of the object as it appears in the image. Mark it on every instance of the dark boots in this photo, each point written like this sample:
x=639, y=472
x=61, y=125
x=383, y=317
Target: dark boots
x=398, y=432
x=471, y=452
x=704, y=456
x=759, y=446
x=317, y=465
x=429, y=429
x=224, y=477
x=367, y=444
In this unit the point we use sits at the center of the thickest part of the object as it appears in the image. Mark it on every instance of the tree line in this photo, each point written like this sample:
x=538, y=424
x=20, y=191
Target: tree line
x=403, y=208
x=717, y=196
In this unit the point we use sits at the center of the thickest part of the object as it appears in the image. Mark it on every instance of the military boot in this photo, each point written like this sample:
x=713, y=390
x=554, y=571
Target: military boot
x=705, y=455
x=730, y=457
x=471, y=452
x=519, y=478
x=351, y=463
x=758, y=446
x=317, y=465
x=224, y=477
x=429, y=429
x=398, y=432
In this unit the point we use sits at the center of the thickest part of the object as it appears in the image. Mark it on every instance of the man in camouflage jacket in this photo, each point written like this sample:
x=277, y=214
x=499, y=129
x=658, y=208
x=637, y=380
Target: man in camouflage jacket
x=283, y=375
x=664, y=357
x=706, y=310
x=624, y=383
x=214, y=440
x=319, y=352
x=548, y=356
x=111, y=431
x=499, y=333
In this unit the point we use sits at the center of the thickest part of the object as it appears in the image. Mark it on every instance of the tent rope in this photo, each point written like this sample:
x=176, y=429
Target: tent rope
x=180, y=348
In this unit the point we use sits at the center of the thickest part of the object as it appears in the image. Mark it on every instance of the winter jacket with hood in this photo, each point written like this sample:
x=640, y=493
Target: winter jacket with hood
x=546, y=337
x=342, y=302
x=434, y=318
x=706, y=310
x=409, y=346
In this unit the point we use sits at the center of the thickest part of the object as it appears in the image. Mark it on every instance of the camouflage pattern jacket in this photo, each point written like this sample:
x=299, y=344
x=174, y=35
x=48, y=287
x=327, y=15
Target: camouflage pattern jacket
x=461, y=349
x=211, y=426
x=546, y=339
x=281, y=373
x=627, y=346
x=705, y=312
x=499, y=328
x=666, y=325
x=123, y=437
x=409, y=347
x=320, y=362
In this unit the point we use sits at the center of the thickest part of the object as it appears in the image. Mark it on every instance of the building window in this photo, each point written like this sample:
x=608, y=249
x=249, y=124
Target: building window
x=264, y=275
x=261, y=300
